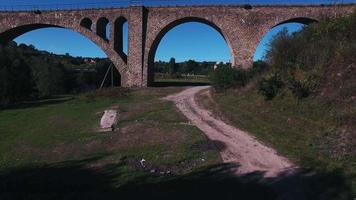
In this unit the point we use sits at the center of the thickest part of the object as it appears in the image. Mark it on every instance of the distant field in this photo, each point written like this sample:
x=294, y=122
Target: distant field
x=183, y=78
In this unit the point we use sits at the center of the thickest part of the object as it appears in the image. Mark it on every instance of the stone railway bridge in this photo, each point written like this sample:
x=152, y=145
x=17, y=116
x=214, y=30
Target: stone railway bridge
x=241, y=27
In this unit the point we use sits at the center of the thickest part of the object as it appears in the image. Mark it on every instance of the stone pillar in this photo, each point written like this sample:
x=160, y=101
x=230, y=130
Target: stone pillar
x=244, y=57
x=248, y=41
x=134, y=71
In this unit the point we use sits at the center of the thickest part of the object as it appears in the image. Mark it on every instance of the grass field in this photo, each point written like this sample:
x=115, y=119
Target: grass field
x=306, y=131
x=52, y=150
x=57, y=143
x=185, y=80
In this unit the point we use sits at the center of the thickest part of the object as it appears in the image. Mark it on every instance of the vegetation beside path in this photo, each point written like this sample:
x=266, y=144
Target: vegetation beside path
x=303, y=102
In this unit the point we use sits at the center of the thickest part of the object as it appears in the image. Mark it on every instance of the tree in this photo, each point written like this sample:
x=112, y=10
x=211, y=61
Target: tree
x=49, y=76
x=173, y=67
x=15, y=76
x=192, y=66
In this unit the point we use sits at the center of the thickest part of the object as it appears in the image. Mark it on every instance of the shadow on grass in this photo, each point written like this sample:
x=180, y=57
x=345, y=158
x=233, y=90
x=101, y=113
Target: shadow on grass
x=177, y=84
x=74, y=180
x=38, y=103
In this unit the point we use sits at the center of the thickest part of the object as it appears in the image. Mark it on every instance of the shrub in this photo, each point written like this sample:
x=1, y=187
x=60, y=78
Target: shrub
x=303, y=60
x=176, y=75
x=225, y=77
x=258, y=67
x=270, y=86
x=298, y=88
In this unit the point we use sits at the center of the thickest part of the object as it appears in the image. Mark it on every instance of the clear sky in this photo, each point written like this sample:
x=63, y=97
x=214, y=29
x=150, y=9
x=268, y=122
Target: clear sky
x=61, y=41
x=187, y=41
x=192, y=40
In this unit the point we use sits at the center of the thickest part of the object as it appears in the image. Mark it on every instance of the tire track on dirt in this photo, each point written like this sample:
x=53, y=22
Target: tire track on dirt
x=240, y=147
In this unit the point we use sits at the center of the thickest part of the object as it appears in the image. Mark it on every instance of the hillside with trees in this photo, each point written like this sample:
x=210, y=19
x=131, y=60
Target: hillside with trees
x=29, y=74
x=302, y=99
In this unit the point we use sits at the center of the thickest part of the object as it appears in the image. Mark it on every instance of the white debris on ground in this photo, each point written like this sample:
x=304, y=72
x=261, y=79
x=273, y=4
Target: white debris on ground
x=108, y=120
x=143, y=163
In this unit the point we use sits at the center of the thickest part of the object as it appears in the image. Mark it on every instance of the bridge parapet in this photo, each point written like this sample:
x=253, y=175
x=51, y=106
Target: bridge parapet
x=101, y=4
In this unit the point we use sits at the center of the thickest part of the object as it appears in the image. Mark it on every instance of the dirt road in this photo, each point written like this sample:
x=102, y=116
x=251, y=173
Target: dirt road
x=239, y=147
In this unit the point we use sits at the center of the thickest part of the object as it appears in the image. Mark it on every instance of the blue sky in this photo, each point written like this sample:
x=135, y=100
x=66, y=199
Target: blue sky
x=61, y=41
x=203, y=43
x=192, y=40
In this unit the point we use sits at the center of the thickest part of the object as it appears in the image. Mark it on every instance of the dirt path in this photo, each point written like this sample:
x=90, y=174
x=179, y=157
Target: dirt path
x=239, y=147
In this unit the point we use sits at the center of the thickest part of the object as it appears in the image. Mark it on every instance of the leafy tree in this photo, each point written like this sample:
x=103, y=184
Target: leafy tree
x=15, y=76
x=173, y=67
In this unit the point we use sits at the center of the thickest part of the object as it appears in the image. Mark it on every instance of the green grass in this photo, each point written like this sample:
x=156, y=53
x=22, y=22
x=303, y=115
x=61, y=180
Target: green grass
x=193, y=79
x=206, y=81
x=149, y=128
x=307, y=131
x=53, y=151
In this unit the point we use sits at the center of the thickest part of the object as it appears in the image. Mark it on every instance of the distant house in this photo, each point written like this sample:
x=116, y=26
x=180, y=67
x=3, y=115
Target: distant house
x=216, y=65
x=89, y=60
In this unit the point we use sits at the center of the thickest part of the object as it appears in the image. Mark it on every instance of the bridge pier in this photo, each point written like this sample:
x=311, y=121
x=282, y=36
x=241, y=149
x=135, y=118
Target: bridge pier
x=249, y=38
x=137, y=35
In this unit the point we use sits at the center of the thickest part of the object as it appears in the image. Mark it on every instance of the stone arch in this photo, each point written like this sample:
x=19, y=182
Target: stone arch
x=301, y=20
x=118, y=36
x=101, y=25
x=86, y=23
x=153, y=48
x=12, y=33
x=272, y=24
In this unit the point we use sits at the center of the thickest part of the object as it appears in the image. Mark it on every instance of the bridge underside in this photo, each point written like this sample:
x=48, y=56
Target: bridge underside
x=241, y=28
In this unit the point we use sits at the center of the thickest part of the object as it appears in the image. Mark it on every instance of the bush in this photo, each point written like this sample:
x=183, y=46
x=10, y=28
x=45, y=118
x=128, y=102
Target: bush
x=270, y=86
x=299, y=89
x=258, y=68
x=225, y=77
x=176, y=75
x=304, y=60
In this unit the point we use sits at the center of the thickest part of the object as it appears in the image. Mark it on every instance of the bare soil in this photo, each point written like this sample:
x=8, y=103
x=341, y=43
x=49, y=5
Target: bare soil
x=235, y=146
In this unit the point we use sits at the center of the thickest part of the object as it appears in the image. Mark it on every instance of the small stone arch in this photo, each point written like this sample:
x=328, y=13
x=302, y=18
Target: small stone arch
x=86, y=23
x=153, y=48
x=101, y=25
x=118, y=36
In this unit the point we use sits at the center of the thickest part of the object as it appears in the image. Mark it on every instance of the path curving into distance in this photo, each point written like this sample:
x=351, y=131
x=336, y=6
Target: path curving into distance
x=239, y=146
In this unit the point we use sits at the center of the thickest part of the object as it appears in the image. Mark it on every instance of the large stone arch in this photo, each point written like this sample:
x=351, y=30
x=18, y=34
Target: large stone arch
x=274, y=23
x=169, y=26
x=8, y=34
x=301, y=20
